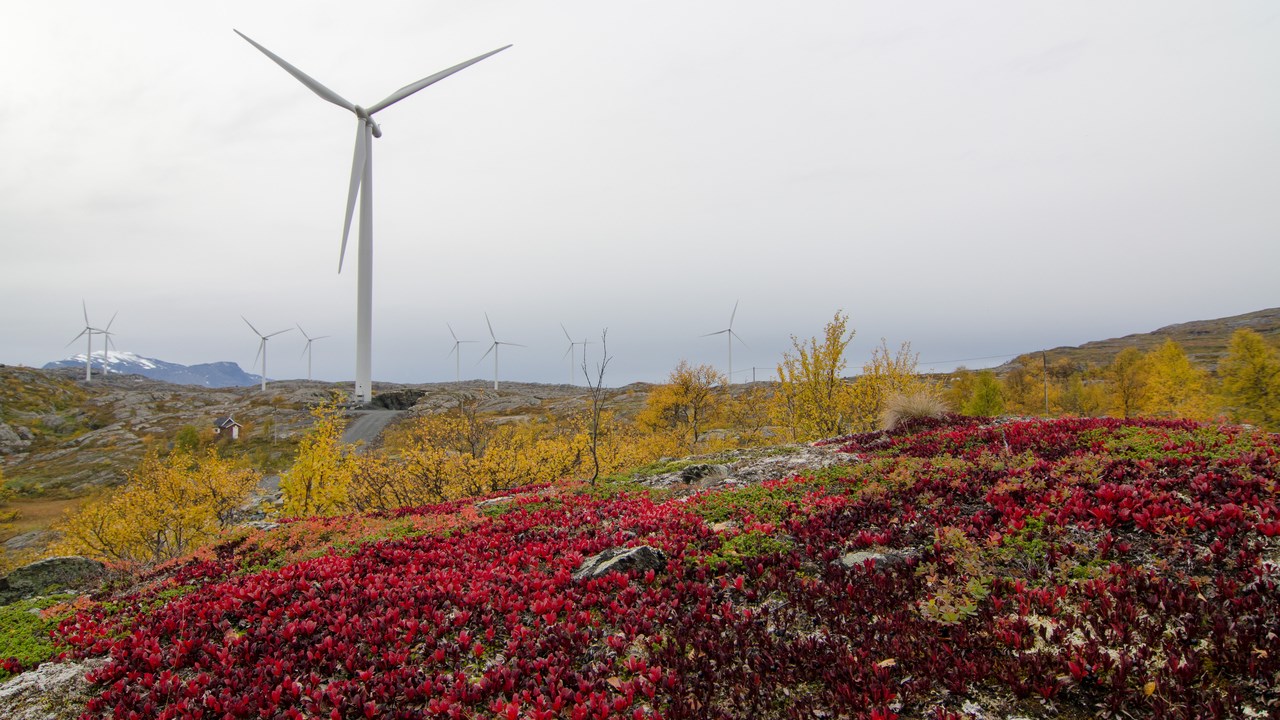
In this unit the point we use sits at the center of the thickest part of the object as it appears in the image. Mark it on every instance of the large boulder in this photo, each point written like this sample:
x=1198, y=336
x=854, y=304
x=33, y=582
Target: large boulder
x=641, y=558
x=13, y=440
x=29, y=540
x=878, y=560
x=51, y=575
x=53, y=691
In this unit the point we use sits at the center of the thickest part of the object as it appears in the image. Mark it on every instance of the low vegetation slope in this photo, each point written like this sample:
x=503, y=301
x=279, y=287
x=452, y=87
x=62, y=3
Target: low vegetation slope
x=1206, y=342
x=1062, y=568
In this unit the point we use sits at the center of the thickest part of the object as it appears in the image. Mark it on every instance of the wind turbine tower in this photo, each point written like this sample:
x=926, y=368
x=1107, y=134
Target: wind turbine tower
x=107, y=344
x=305, y=351
x=569, y=353
x=262, y=348
x=730, y=335
x=362, y=183
x=457, y=350
x=494, y=349
x=87, y=333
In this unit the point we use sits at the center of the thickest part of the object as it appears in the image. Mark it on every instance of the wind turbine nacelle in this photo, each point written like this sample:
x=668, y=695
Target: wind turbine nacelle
x=364, y=115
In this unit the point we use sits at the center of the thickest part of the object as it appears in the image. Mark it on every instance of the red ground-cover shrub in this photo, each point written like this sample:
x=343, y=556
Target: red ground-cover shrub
x=1104, y=565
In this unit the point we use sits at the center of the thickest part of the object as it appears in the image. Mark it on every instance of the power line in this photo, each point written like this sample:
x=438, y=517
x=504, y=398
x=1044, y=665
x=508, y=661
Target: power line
x=988, y=357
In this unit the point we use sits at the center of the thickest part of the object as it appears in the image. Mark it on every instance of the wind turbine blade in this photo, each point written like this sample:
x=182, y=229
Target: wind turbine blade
x=262, y=343
x=733, y=314
x=566, y=352
x=486, y=322
x=451, y=332
x=82, y=332
x=358, y=160
x=486, y=352
x=513, y=344
x=319, y=337
x=113, y=319
x=304, y=332
x=408, y=90
x=452, y=350
x=278, y=332
x=85, y=308
x=739, y=338
x=251, y=327
x=302, y=77
x=566, y=333
x=304, y=350
x=718, y=332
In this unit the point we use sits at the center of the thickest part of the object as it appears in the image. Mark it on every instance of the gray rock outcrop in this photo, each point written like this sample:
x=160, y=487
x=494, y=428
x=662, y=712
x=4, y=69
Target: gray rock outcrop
x=53, y=691
x=50, y=575
x=14, y=440
x=880, y=560
x=641, y=558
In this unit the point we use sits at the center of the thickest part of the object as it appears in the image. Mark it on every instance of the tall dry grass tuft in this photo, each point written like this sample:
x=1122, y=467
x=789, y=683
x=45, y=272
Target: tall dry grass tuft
x=909, y=408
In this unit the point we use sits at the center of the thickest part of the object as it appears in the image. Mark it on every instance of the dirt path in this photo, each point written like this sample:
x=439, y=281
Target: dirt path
x=367, y=425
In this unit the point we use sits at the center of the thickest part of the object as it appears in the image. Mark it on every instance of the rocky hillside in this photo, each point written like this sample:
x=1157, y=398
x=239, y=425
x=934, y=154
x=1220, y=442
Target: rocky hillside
x=1204, y=341
x=63, y=437
x=967, y=569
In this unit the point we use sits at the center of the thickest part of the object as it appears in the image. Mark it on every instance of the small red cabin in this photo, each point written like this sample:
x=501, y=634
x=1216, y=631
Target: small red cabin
x=226, y=428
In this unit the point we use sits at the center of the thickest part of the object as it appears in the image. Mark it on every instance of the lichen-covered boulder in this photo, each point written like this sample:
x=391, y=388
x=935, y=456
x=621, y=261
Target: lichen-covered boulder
x=53, y=691
x=55, y=574
x=879, y=560
x=641, y=558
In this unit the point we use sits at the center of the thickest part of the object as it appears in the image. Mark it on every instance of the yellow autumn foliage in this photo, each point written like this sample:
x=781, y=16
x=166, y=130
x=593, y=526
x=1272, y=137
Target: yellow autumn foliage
x=318, y=482
x=686, y=404
x=813, y=399
x=1175, y=387
x=167, y=507
x=884, y=376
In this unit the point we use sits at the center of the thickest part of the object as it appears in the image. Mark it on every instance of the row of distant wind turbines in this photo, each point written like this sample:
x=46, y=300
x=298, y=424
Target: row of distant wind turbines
x=494, y=345
x=89, y=331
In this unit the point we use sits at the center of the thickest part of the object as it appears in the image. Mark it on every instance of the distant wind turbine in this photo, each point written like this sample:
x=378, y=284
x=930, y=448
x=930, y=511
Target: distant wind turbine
x=305, y=351
x=753, y=370
x=569, y=353
x=107, y=344
x=731, y=335
x=87, y=333
x=494, y=349
x=457, y=350
x=262, y=348
x=362, y=183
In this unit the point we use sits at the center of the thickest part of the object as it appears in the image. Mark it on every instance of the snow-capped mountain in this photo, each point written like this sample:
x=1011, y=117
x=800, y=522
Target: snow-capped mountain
x=218, y=374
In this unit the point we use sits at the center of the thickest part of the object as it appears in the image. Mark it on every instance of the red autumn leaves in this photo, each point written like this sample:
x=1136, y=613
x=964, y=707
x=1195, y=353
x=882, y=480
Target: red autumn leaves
x=1127, y=565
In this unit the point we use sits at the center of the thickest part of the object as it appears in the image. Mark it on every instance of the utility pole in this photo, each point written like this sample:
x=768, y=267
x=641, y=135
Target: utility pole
x=1044, y=363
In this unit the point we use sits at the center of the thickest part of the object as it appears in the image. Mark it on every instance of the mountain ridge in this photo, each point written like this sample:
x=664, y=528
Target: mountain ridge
x=1204, y=341
x=219, y=374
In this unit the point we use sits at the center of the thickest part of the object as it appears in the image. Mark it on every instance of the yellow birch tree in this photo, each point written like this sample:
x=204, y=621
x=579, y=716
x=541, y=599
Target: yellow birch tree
x=317, y=483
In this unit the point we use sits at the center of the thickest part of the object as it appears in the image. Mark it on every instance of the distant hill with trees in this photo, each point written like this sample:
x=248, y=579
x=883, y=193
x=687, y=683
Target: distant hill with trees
x=1204, y=341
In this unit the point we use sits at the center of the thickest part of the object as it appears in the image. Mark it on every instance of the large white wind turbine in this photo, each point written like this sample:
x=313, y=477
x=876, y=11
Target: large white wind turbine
x=362, y=183
x=306, y=350
x=569, y=353
x=731, y=335
x=457, y=350
x=262, y=348
x=494, y=349
x=87, y=333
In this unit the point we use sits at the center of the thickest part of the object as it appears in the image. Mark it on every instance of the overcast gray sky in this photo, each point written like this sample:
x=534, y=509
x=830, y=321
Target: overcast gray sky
x=978, y=178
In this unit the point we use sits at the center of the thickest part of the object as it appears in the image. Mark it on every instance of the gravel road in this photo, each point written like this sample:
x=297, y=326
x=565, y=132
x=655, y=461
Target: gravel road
x=367, y=425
